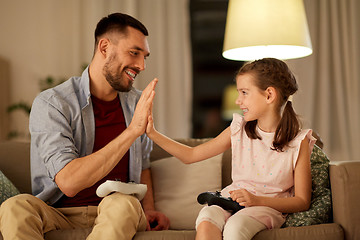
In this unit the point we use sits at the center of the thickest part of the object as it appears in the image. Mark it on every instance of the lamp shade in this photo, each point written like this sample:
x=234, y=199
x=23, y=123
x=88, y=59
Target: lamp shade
x=266, y=28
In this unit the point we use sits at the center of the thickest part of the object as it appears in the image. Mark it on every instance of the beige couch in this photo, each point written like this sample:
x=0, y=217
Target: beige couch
x=176, y=197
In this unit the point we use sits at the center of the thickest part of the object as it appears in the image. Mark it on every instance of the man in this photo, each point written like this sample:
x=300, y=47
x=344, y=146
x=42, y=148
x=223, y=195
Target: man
x=84, y=132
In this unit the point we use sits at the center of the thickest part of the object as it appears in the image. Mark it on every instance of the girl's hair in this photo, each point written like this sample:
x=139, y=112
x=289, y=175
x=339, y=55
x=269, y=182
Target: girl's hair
x=271, y=72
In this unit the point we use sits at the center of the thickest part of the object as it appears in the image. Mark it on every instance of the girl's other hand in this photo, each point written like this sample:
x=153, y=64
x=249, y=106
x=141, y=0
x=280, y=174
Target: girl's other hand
x=243, y=197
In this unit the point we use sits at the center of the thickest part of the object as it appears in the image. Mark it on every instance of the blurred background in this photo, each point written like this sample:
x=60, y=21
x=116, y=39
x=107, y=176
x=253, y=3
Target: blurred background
x=44, y=42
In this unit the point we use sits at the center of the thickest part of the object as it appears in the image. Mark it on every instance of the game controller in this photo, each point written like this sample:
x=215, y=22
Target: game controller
x=131, y=188
x=215, y=198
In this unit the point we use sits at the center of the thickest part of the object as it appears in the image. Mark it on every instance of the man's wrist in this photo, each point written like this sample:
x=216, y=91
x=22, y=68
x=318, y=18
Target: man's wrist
x=148, y=204
x=134, y=131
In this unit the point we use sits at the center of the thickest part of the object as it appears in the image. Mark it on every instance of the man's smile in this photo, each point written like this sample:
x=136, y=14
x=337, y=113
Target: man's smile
x=132, y=74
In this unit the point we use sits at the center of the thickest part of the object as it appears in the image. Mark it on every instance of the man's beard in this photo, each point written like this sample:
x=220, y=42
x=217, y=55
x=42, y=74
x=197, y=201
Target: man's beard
x=116, y=80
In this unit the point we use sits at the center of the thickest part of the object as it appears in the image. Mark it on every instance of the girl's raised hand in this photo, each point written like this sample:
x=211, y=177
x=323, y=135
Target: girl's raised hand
x=150, y=125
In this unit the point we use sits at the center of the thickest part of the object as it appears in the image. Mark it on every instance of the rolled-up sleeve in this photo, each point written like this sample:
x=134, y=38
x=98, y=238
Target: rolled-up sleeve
x=52, y=140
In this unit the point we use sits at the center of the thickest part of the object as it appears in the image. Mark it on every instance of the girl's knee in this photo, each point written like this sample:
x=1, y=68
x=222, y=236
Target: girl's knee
x=211, y=214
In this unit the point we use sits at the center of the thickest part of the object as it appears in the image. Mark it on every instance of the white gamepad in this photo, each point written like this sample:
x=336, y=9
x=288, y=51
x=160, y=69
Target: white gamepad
x=138, y=190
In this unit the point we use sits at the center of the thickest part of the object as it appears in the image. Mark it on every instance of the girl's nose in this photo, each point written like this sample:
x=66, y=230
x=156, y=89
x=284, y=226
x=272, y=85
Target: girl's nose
x=238, y=100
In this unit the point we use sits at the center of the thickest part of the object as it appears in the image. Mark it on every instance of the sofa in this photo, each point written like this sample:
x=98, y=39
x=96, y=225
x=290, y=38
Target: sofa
x=177, y=185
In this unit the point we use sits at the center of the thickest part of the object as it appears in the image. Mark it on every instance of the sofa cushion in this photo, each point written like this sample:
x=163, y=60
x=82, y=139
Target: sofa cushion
x=7, y=188
x=177, y=185
x=320, y=208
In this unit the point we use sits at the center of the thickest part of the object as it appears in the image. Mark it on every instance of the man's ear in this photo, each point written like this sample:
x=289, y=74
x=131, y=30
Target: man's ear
x=271, y=94
x=103, y=46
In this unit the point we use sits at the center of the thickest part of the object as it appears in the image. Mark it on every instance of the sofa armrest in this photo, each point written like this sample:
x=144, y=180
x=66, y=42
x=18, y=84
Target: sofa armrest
x=345, y=190
x=15, y=164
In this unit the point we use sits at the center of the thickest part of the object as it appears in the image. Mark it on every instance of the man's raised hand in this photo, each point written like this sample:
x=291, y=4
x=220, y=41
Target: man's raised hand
x=143, y=109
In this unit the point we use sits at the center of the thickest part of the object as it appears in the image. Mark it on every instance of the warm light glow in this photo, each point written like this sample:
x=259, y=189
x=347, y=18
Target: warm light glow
x=266, y=28
x=229, y=106
x=275, y=51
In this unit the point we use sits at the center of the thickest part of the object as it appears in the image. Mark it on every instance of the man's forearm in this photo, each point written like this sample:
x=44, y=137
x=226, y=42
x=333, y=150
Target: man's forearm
x=148, y=201
x=84, y=172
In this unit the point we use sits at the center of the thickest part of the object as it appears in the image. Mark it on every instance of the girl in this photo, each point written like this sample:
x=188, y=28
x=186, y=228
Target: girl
x=270, y=155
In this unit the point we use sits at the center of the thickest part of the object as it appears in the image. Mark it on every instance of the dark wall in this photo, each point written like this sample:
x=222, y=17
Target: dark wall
x=211, y=72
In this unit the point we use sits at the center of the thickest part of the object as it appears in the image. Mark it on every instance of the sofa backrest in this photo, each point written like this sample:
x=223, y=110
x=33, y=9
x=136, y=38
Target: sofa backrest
x=15, y=164
x=159, y=153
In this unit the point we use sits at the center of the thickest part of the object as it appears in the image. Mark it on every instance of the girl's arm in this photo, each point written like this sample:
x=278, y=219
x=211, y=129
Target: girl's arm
x=190, y=154
x=302, y=184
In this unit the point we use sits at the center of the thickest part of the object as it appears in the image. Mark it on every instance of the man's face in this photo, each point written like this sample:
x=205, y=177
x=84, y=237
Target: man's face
x=126, y=59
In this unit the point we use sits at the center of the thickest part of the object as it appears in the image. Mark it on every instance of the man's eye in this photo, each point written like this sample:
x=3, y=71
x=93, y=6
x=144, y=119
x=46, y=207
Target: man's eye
x=134, y=53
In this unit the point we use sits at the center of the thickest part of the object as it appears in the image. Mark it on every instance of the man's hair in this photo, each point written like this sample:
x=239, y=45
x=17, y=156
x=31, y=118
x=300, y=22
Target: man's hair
x=117, y=22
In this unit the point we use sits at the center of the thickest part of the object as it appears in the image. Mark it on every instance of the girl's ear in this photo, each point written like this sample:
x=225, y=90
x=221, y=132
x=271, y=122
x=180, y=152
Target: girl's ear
x=271, y=94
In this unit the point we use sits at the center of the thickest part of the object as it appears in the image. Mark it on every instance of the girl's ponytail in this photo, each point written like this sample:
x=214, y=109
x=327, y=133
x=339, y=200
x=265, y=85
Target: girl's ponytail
x=288, y=128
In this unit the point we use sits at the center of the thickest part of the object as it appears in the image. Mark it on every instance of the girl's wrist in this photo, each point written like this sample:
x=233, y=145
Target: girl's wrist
x=151, y=134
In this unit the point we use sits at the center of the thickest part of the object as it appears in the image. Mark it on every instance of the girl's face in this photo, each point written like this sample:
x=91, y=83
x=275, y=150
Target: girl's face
x=251, y=99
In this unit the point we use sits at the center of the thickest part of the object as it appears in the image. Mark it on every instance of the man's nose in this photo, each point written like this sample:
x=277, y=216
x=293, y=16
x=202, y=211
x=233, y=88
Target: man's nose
x=140, y=64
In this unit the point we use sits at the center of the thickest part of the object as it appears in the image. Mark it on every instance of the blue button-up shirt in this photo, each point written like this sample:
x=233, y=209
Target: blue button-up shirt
x=62, y=128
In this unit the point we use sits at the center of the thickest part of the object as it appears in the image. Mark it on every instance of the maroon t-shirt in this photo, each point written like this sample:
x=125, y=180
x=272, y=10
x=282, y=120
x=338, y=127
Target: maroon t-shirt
x=109, y=123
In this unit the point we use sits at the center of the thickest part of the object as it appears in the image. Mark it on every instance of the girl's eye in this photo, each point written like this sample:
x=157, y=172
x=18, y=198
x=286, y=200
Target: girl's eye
x=244, y=93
